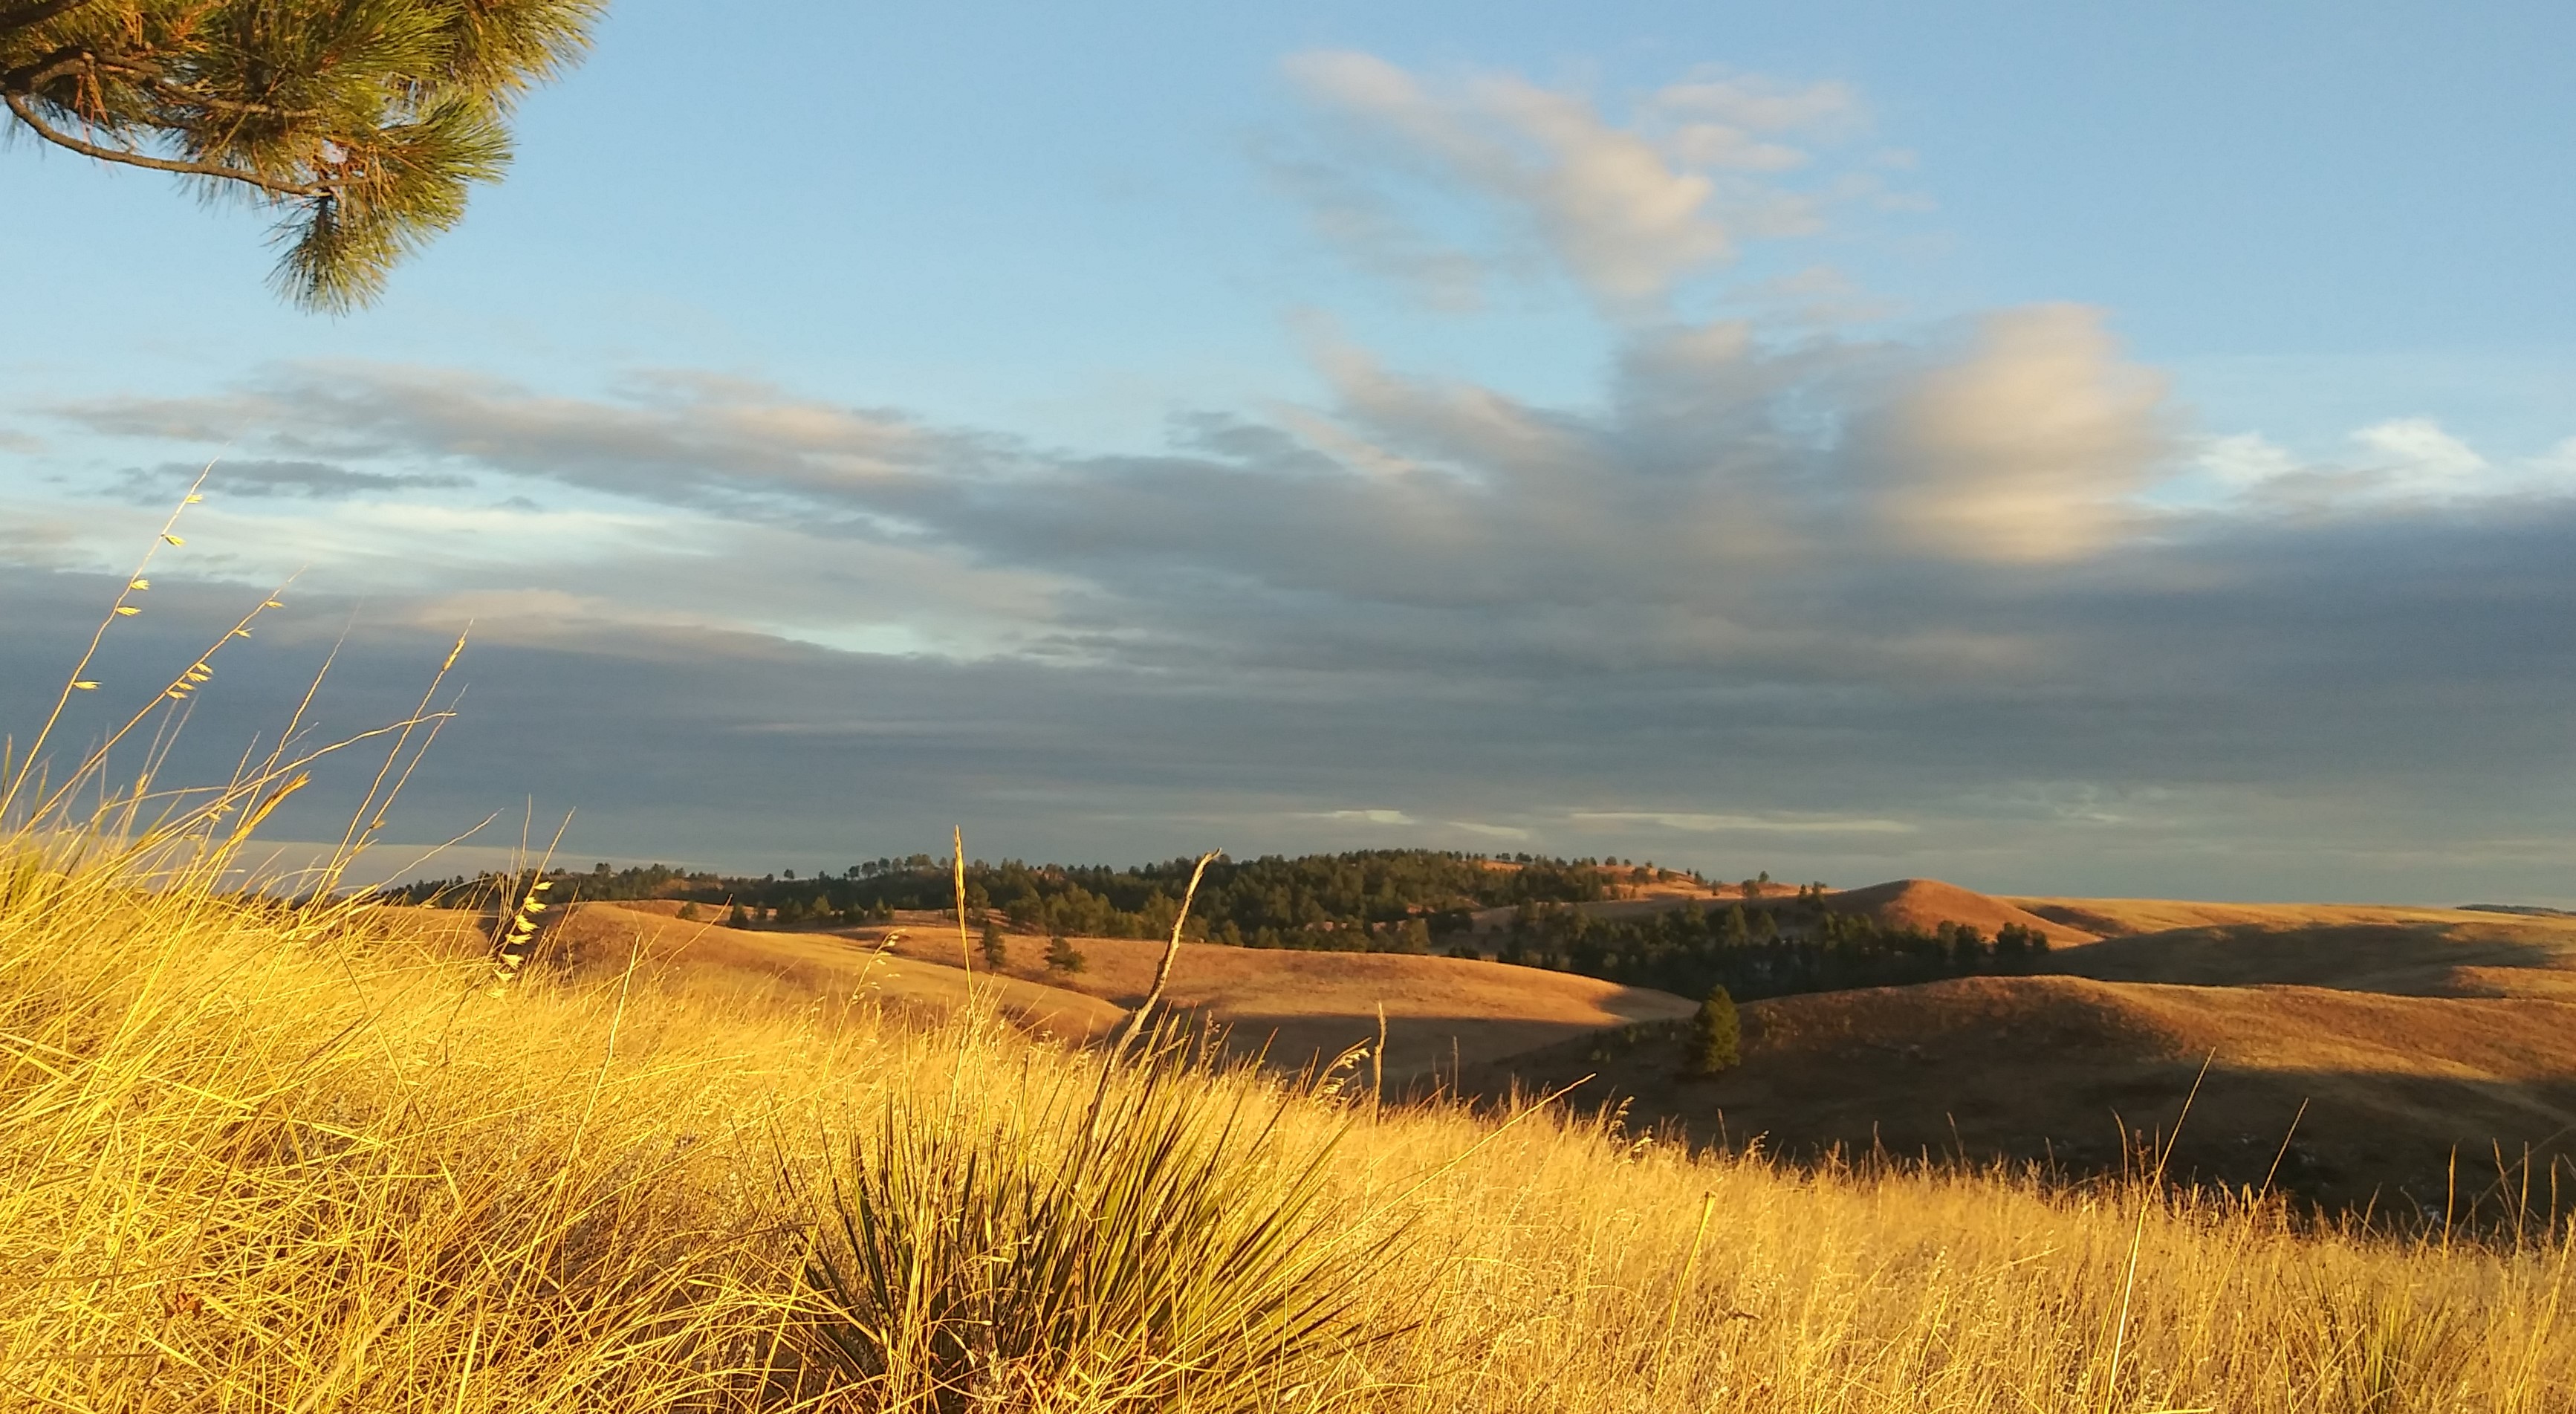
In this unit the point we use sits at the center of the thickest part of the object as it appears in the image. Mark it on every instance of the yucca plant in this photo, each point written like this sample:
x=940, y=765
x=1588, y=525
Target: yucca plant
x=1130, y=1242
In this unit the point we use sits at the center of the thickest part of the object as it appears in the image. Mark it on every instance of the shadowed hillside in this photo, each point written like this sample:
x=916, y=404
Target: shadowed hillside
x=2389, y=1046
x=2120, y=917
x=2482, y=956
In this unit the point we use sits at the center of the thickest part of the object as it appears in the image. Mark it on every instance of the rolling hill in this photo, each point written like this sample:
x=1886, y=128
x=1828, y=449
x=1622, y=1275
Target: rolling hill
x=2351, y=1051
x=767, y=968
x=2351, y=1054
x=1293, y=1007
x=1441, y=1012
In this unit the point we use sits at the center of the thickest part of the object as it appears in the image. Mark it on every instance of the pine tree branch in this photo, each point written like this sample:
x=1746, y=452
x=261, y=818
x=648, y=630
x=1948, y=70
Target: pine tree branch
x=26, y=111
x=184, y=96
x=29, y=77
x=36, y=14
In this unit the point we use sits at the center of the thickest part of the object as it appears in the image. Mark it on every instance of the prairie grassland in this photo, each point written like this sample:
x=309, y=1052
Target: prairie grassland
x=259, y=1159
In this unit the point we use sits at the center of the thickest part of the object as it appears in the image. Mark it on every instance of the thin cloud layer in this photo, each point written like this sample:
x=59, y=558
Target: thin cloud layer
x=1627, y=209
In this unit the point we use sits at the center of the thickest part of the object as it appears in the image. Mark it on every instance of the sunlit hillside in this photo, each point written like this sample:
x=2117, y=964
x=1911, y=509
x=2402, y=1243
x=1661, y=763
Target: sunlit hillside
x=260, y=1159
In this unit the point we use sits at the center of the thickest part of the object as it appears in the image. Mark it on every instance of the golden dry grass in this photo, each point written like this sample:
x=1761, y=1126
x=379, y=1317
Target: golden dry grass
x=2119, y=917
x=1297, y=1006
x=2357, y=1101
x=920, y=975
x=253, y=1160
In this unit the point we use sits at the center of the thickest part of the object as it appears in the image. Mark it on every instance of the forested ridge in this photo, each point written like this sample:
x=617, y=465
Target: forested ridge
x=1365, y=900
x=1362, y=901
x=1769, y=949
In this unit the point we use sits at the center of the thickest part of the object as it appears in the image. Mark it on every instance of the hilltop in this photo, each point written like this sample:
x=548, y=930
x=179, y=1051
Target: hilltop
x=1926, y=904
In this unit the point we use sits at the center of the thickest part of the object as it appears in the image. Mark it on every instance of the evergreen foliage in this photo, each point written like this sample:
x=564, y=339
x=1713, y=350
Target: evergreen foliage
x=1062, y=956
x=996, y=954
x=1785, y=939
x=1716, y=1035
x=361, y=123
x=1774, y=949
x=1366, y=901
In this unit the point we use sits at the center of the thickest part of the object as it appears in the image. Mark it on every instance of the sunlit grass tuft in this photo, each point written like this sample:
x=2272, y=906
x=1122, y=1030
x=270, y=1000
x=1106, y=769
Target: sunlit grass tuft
x=1155, y=1237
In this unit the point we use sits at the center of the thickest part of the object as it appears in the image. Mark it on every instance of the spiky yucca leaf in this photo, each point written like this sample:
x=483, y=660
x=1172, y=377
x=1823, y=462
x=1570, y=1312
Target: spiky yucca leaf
x=1121, y=1246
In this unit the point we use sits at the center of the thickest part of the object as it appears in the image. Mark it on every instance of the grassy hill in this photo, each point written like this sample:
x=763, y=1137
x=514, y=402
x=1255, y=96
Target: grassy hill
x=1294, y=1007
x=2394, y=1061
x=1298, y=1006
x=326, y=1160
x=2409, y=1060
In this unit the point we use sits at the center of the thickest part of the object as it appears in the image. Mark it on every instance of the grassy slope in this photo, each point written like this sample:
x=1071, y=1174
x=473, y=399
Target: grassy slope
x=2478, y=1059
x=2408, y=1037
x=249, y=1167
x=2120, y=917
x=798, y=967
x=1294, y=1006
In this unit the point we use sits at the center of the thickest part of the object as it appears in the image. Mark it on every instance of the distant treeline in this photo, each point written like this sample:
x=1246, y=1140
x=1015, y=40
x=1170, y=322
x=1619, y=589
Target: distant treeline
x=1769, y=950
x=1368, y=900
x=1386, y=900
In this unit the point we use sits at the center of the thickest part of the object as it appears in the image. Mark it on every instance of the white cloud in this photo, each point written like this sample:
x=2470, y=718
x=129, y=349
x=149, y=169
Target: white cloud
x=1370, y=817
x=1489, y=831
x=1627, y=210
x=2245, y=459
x=2418, y=457
x=2031, y=448
x=2400, y=461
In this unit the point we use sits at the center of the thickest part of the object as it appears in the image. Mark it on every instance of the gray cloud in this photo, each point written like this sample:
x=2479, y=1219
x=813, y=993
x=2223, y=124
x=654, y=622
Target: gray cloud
x=1836, y=609
x=1713, y=513
x=2406, y=745
x=308, y=479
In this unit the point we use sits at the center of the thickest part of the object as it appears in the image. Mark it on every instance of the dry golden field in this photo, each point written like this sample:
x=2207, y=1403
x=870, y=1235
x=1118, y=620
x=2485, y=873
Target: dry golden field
x=254, y=1159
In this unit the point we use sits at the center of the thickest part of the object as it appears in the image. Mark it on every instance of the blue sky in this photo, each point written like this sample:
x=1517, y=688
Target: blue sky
x=2038, y=445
